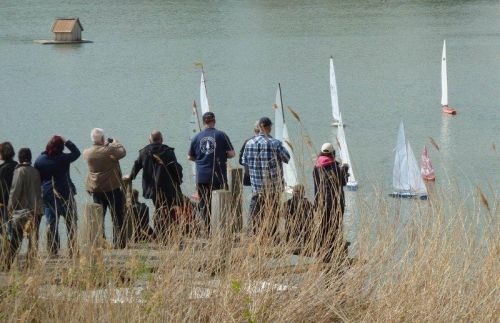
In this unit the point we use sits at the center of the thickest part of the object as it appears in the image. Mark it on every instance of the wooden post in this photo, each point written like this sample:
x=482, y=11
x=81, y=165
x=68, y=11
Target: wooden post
x=129, y=225
x=236, y=189
x=92, y=233
x=221, y=211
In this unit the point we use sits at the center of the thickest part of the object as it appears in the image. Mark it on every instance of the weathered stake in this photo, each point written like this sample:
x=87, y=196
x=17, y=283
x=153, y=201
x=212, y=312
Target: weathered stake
x=221, y=215
x=92, y=240
x=236, y=189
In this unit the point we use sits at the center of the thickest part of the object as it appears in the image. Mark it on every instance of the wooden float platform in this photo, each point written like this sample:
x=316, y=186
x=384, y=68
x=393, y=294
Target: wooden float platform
x=61, y=42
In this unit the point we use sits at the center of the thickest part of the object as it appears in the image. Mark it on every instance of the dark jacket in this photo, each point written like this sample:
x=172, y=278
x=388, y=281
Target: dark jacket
x=329, y=181
x=6, y=176
x=25, y=193
x=246, y=174
x=298, y=218
x=161, y=171
x=55, y=172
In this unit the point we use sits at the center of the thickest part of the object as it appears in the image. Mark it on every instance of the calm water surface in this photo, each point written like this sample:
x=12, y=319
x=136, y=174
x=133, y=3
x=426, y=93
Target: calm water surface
x=139, y=74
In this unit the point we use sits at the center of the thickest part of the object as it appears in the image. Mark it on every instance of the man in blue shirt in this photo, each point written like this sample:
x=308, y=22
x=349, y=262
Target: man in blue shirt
x=264, y=157
x=210, y=150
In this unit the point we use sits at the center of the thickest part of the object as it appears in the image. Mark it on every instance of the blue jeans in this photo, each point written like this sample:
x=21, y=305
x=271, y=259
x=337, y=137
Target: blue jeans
x=55, y=207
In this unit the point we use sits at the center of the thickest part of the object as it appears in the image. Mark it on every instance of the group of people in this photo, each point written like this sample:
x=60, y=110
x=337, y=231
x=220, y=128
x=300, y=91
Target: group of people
x=30, y=191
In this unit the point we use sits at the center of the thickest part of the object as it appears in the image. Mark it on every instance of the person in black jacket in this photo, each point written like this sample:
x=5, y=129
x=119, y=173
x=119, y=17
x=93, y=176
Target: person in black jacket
x=329, y=181
x=298, y=212
x=7, y=166
x=141, y=217
x=161, y=180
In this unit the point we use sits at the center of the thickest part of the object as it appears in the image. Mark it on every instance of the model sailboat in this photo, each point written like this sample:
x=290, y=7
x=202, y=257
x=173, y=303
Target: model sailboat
x=352, y=185
x=281, y=133
x=406, y=177
x=337, y=118
x=205, y=107
x=444, y=84
x=426, y=169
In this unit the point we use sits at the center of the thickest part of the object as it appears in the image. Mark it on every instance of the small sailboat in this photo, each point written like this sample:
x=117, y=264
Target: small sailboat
x=352, y=185
x=281, y=133
x=337, y=118
x=205, y=107
x=426, y=169
x=444, y=84
x=406, y=177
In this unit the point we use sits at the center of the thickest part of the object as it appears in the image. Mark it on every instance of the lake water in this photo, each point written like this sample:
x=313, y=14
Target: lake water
x=140, y=74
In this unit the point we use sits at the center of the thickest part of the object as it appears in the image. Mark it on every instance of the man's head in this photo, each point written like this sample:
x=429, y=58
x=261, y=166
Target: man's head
x=327, y=149
x=135, y=195
x=24, y=155
x=299, y=191
x=97, y=136
x=265, y=125
x=6, y=151
x=209, y=119
x=155, y=137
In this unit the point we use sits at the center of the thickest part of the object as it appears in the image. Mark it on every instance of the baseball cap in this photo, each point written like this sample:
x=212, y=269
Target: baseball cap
x=265, y=122
x=327, y=148
x=208, y=116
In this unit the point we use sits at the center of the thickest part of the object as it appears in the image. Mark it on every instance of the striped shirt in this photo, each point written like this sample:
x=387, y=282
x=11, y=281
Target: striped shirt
x=264, y=156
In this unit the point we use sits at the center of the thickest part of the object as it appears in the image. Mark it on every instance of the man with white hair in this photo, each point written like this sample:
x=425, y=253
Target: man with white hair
x=104, y=180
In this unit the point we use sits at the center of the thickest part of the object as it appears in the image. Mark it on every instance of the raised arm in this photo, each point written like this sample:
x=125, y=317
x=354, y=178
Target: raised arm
x=74, y=152
x=117, y=149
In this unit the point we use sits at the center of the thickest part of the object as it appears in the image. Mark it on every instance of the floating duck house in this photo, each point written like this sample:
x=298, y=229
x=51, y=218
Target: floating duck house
x=66, y=31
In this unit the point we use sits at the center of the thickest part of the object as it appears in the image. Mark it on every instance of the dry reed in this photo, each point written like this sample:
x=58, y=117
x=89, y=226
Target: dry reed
x=413, y=261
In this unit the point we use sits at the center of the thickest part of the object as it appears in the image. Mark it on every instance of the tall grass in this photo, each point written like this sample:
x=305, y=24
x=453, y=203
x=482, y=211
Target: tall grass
x=413, y=261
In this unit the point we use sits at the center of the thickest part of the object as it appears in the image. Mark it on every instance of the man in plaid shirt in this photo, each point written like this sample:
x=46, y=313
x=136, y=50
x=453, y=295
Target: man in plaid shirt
x=264, y=156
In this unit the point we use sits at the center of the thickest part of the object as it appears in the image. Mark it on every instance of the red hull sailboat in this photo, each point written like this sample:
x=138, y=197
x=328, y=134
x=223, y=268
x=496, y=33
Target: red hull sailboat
x=426, y=169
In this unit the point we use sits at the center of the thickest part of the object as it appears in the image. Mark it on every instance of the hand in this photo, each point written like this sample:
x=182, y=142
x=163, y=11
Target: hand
x=126, y=178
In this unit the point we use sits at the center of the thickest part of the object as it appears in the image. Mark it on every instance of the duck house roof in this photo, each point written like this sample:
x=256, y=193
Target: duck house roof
x=65, y=25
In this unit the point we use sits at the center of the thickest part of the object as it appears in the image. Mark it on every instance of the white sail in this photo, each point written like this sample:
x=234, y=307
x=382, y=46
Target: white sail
x=444, y=77
x=415, y=181
x=194, y=129
x=278, y=116
x=400, y=173
x=333, y=92
x=281, y=133
x=203, y=95
x=344, y=153
x=289, y=170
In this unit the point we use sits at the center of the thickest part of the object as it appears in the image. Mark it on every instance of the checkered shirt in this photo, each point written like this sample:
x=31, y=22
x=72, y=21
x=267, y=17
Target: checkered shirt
x=264, y=156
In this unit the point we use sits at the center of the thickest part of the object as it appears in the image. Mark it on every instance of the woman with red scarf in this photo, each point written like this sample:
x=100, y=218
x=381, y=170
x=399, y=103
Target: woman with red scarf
x=329, y=181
